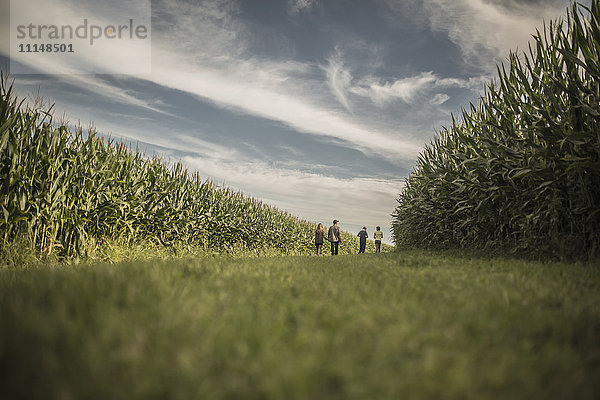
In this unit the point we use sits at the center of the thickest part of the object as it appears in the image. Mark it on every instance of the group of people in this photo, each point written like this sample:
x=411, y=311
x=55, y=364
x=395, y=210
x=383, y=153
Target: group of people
x=334, y=237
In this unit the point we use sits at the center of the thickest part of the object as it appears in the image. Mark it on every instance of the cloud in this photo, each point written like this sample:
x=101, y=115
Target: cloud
x=404, y=89
x=95, y=85
x=484, y=30
x=296, y=6
x=410, y=89
x=439, y=99
x=419, y=88
x=207, y=31
x=338, y=78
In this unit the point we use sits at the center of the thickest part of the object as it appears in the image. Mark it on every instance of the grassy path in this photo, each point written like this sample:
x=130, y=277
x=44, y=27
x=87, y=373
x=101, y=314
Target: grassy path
x=402, y=325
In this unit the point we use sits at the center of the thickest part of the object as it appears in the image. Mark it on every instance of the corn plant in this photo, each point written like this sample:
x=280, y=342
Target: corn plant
x=520, y=170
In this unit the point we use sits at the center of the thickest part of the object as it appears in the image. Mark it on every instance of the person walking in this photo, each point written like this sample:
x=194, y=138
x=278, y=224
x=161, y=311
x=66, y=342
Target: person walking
x=334, y=237
x=378, y=235
x=363, y=235
x=318, y=238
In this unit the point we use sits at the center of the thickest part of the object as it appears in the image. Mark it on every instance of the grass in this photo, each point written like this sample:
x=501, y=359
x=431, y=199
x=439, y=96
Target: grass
x=22, y=252
x=397, y=325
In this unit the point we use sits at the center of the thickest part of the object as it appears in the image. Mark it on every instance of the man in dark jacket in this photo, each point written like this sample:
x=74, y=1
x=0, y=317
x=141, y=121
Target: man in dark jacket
x=363, y=235
x=334, y=237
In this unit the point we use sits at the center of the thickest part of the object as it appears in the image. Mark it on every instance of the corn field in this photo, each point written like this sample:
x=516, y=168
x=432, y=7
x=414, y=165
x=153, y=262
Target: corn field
x=68, y=191
x=520, y=171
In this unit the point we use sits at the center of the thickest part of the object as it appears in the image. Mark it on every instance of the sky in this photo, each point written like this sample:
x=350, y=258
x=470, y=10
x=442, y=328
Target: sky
x=319, y=107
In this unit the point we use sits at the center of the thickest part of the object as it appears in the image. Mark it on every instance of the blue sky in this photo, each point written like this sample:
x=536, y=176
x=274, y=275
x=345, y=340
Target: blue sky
x=319, y=107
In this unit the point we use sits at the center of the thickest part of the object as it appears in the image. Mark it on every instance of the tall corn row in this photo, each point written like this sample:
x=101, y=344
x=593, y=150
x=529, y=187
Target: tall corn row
x=521, y=170
x=68, y=191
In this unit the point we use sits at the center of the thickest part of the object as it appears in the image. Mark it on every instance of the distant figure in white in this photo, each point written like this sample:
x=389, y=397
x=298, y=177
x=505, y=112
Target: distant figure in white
x=378, y=235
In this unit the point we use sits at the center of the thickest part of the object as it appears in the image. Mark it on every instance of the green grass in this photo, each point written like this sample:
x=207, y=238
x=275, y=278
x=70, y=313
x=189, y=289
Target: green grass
x=397, y=325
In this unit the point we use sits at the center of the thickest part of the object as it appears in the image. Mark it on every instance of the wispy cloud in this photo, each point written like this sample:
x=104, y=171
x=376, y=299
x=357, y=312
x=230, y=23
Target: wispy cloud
x=410, y=89
x=439, y=98
x=114, y=93
x=338, y=78
x=296, y=6
x=484, y=30
x=404, y=89
x=96, y=86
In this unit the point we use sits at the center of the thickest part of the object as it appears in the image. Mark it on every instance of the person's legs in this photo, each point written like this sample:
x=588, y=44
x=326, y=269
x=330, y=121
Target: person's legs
x=336, y=247
x=319, y=248
x=333, y=248
x=362, y=247
x=378, y=246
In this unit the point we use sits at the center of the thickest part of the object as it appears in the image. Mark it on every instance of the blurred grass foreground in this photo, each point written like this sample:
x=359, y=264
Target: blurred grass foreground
x=405, y=325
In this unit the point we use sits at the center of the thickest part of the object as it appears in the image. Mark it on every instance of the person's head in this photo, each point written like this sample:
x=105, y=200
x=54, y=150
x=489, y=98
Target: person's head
x=335, y=221
x=364, y=228
x=378, y=228
x=320, y=227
